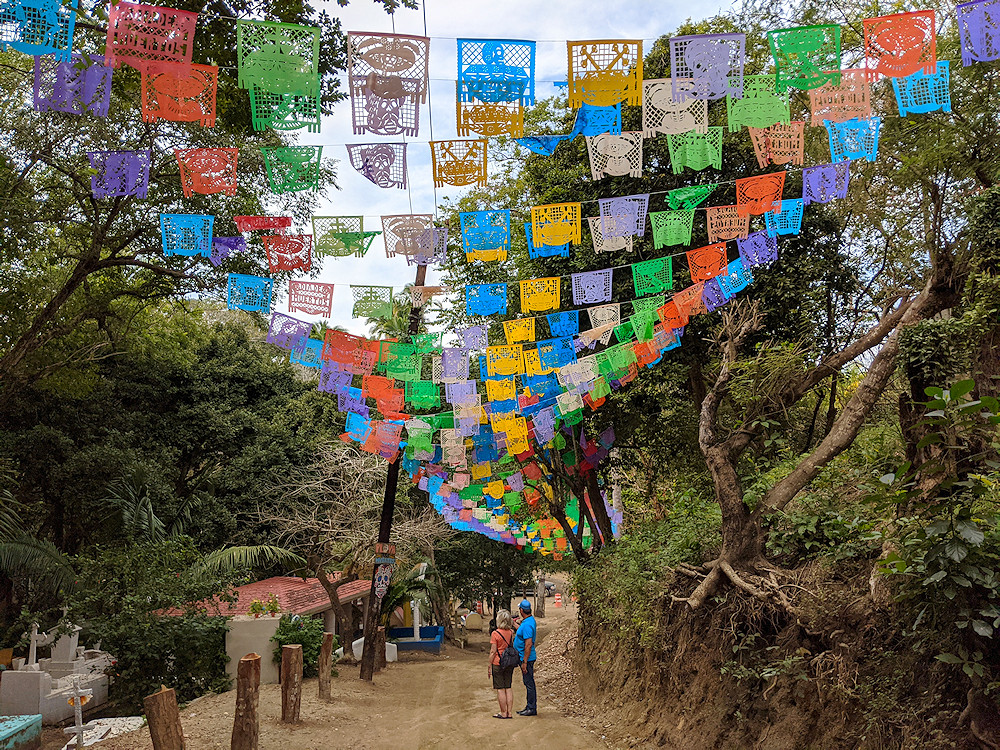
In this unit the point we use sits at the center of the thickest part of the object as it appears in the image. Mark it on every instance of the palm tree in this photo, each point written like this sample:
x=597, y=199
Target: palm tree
x=396, y=325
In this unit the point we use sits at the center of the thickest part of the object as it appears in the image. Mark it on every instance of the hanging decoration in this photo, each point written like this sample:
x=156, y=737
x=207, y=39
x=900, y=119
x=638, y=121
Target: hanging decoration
x=786, y=221
x=485, y=299
x=713, y=296
x=186, y=234
x=421, y=295
x=384, y=164
x=689, y=300
x=759, y=194
x=726, y=223
x=663, y=114
x=825, y=182
x=779, y=144
x=38, y=27
x=371, y=301
x=759, y=105
x=388, y=82
x=250, y=293
x=139, y=35
x=594, y=120
x=735, y=279
x=563, y=324
x=591, y=287
x=501, y=118
x=977, y=22
x=179, y=92
x=899, y=45
x=310, y=297
x=281, y=58
x=270, y=224
x=406, y=234
x=604, y=244
x=432, y=247
x=539, y=295
x=341, y=236
x=691, y=196
x=757, y=249
x=284, y=111
x=555, y=224
x=806, y=57
x=653, y=276
x=671, y=227
x=854, y=139
x=285, y=331
x=485, y=235
x=696, y=150
x=707, y=66
x=207, y=170
x=496, y=70
x=76, y=85
x=504, y=360
x=920, y=93
x=706, y=262
x=846, y=100
x=625, y=215
x=519, y=330
x=224, y=247
x=293, y=168
x=605, y=72
x=459, y=163
x=288, y=252
x=119, y=173
x=545, y=251
x=615, y=155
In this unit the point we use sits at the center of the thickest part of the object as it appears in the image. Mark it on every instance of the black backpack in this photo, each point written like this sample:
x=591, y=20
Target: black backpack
x=509, y=658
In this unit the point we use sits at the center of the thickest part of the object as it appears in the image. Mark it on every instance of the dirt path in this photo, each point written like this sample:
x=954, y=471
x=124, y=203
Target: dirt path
x=430, y=702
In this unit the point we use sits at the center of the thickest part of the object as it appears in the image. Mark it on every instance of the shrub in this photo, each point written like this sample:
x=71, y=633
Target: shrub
x=305, y=631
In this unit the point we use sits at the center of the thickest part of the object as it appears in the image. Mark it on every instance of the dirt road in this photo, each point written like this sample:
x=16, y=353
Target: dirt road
x=432, y=702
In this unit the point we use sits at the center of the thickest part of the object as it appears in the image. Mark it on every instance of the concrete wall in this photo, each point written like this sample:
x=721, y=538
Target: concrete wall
x=249, y=635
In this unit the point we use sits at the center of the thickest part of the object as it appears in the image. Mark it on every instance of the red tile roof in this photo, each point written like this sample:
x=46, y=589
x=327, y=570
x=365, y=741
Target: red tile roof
x=295, y=595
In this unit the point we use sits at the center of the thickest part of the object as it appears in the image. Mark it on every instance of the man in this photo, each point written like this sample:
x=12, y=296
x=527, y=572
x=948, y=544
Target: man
x=524, y=642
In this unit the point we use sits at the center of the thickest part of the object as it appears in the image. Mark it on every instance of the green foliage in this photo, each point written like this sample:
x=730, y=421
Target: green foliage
x=305, y=631
x=623, y=591
x=121, y=592
x=947, y=552
x=808, y=530
x=472, y=568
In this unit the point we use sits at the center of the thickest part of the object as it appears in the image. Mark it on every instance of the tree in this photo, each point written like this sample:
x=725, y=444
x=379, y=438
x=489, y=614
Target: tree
x=473, y=568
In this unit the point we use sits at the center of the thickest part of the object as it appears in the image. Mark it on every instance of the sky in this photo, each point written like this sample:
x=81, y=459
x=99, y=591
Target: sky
x=549, y=24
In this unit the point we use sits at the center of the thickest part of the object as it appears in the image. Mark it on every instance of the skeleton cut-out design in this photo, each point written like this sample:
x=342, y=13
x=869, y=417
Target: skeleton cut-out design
x=615, y=155
x=605, y=72
x=207, y=170
x=179, y=93
x=76, y=85
x=624, y=215
x=385, y=105
x=251, y=293
x=707, y=66
x=591, y=287
x=849, y=99
x=899, y=45
x=806, y=57
x=604, y=244
x=663, y=114
x=825, y=182
x=384, y=164
x=186, y=234
x=496, y=70
x=920, y=93
x=120, y=173
x=459, y=163
x=979, y=30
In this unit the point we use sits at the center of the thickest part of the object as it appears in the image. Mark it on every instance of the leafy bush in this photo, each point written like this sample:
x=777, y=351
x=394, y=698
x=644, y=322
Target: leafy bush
x=623, y=590
x=810, y=531
x=305, y=631
x=121, y=593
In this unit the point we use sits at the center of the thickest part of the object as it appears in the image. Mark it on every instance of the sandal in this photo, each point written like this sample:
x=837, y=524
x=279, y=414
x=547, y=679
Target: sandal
x=500, y=716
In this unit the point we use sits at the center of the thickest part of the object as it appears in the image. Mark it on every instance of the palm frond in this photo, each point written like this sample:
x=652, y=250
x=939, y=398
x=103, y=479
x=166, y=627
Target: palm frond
x=252, y=556
x=26, y=556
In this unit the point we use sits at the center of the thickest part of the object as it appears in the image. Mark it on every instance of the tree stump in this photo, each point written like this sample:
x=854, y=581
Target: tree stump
x=291, y=683
x=246, y=724
x=325, y=666
x=164, y=719
x=380, y=660
x=540, y=597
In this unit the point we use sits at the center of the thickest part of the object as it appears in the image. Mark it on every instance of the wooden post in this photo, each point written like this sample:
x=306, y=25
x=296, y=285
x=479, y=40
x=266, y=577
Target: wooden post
x=164, y=719
x=325, y=665
x=540, y=597
x=380, y=661
x=291, y=683
x=246, y=724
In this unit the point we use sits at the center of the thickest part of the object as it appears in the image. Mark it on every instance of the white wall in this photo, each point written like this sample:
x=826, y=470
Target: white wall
x=249, y=635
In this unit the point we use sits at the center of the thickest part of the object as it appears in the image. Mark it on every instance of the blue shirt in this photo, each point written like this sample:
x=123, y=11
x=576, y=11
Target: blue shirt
x=527, y=629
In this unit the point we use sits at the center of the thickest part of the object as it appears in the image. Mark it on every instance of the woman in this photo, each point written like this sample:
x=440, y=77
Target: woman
x=501, y=638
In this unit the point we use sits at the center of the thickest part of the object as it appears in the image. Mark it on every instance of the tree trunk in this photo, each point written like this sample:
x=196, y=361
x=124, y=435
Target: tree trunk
x=325, y=666
x=540, y=596
x=598, y=507
x=742, y=538
x=291, y=683
x=164, y=720
x=246, y=724
x=341, y=613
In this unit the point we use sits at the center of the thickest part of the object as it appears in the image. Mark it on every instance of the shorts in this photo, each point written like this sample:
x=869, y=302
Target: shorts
x=502, y=679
